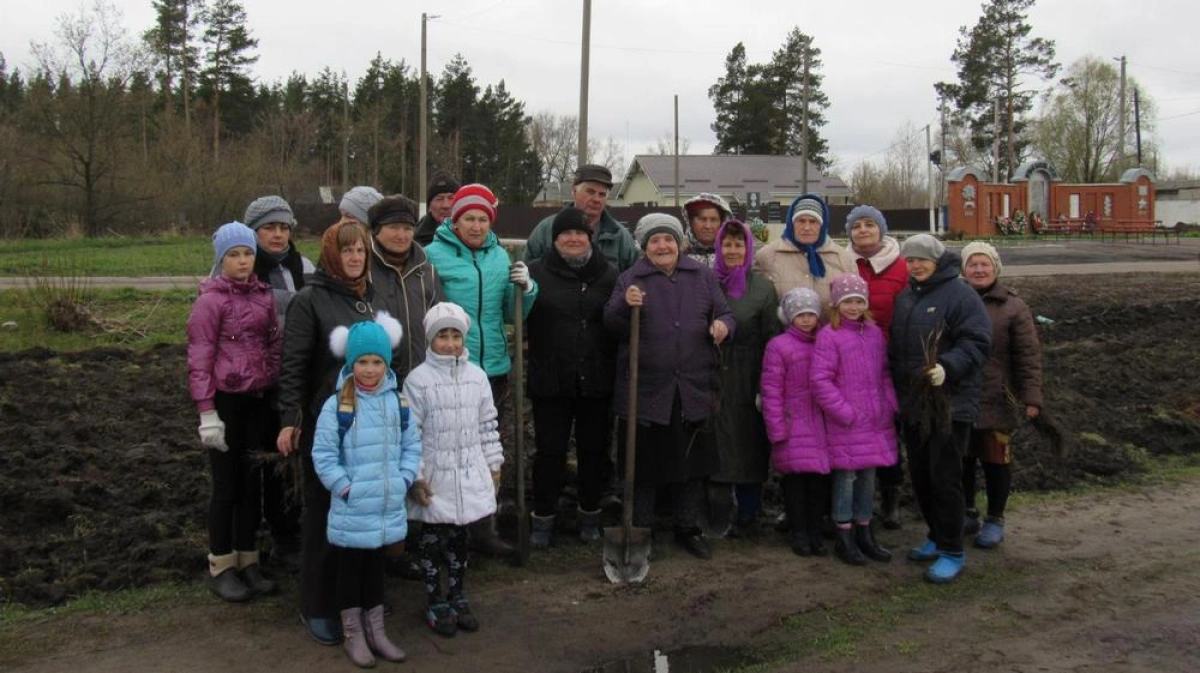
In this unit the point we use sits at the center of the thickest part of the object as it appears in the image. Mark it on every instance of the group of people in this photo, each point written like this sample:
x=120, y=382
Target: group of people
x=384, y=365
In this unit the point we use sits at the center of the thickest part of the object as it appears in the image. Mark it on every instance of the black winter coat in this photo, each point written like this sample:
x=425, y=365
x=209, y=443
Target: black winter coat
x=571, y=353
x=407, y=296
x=309, y=371
x=944, y=299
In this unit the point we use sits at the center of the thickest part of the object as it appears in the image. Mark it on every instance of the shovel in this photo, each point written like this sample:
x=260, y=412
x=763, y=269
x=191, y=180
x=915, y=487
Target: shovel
x=627, y=549
x=519, y=409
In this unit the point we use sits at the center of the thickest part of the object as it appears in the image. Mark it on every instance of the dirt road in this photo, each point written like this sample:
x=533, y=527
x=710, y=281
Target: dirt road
x=1103, y=582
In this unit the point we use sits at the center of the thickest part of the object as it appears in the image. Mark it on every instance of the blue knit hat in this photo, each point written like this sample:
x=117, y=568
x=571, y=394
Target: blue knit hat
x=866, y=212
x=230, y=236
x=371, y=337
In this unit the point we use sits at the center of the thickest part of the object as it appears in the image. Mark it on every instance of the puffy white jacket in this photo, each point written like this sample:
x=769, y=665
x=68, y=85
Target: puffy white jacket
x=451, y=401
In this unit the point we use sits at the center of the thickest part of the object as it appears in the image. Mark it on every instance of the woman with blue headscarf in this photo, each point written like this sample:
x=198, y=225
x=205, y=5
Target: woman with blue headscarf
x=805, y=256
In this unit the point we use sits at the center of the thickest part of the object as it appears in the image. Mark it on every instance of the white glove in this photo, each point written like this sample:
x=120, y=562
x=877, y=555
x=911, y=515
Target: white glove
x=212, y=431
x=758, y=403
x=937, y=375
x=519, y=273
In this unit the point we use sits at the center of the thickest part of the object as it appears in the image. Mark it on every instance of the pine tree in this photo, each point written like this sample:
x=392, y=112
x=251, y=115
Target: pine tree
x=228, y=60
x=172, y=41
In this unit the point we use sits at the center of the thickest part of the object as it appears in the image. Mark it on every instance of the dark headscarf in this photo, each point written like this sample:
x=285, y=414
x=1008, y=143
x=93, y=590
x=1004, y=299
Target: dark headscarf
x=733, y=280
x=334, y=239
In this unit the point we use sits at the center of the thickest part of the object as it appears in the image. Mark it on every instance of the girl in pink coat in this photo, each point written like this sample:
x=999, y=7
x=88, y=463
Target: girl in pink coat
x=852, y=385
x=234, y=350
x=793, y=420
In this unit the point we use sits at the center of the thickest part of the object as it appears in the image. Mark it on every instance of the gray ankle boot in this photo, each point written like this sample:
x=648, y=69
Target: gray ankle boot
x=377, y=638
x=354, y=640
x=541, y=531
x=589, y=526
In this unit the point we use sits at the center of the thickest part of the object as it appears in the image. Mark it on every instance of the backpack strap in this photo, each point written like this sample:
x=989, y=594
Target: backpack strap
x=345, y=416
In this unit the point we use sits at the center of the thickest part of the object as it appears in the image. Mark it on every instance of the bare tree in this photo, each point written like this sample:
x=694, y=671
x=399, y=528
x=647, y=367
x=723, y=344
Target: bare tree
x=665, y=145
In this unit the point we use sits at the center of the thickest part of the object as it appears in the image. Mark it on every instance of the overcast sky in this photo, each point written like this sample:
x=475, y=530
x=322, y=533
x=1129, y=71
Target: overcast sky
x=881, y=57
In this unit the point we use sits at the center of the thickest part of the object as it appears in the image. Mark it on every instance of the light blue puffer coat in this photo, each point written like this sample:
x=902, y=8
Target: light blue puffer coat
x=375, y=460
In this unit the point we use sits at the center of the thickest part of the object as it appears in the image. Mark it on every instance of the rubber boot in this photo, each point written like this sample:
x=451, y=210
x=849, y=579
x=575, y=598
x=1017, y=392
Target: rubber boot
x=541, y=530
x=991, y=534
x=354, y=641
x=589, y=526
x=799, y=543
x=485, y=540
x=225, y=583
x=971, y=522
x=927, y=551
x=377, y=638
x=864, y=537
x=845, y=548
x=252, y=574
x=947, y=568
x=890, y=505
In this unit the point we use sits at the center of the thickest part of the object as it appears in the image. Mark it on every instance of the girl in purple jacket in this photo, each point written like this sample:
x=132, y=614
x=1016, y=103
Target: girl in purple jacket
x=234, y=346
x=794, y=423
x=852, y=385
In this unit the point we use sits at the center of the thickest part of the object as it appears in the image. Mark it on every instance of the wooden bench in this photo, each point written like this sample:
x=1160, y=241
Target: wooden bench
x=1138, y=230
x=1067, y=227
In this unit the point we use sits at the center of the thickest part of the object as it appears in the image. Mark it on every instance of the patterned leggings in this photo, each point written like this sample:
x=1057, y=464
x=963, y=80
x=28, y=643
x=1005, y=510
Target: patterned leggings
x=438, y=542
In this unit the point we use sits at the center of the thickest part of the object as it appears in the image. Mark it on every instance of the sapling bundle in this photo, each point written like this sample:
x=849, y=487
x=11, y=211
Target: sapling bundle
x=1044, y=424
x=930, y=407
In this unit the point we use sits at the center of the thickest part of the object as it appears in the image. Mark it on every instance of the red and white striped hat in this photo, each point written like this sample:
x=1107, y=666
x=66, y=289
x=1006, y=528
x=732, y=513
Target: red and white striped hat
x=473, y=196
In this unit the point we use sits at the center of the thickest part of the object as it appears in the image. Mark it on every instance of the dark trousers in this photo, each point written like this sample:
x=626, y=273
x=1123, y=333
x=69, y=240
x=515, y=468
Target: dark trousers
x=935, y=467
x=439, y=544
x=234, y=507
x=997, y=480
x=281, y=512
x=805, y=498
x=686, y=500
x=552, y=421
x=318, y=572
x=359, y=577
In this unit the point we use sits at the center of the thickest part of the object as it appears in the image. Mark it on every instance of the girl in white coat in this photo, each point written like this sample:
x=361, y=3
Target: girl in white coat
x=451, y=401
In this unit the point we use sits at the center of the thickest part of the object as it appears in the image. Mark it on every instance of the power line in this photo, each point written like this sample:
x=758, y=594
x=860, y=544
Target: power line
x=1185, y=114
x=1156, y=67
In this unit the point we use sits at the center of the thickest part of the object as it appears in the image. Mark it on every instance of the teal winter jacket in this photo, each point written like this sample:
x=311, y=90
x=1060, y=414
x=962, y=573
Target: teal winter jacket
x=477, y=280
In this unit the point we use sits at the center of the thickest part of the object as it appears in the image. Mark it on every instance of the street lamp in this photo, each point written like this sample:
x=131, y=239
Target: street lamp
x=424, y=142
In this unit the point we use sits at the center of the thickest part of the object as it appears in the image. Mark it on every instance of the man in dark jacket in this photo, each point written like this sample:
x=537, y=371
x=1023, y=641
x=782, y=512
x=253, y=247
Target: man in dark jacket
x=572, y=366
x=590, y=192
x=938, y=302
x=438, y=198
x=280, y=265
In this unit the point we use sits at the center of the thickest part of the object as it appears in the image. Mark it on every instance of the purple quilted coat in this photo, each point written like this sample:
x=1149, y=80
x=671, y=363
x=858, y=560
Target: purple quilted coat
x=790, y=411
x=234, y=342
x=854, y=390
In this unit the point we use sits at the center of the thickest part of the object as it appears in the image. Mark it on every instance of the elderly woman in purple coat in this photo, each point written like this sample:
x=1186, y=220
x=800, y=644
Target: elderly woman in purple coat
x=685, y=317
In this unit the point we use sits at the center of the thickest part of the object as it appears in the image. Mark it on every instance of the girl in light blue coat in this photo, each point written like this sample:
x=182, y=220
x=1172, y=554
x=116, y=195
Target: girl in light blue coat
x=367, y=453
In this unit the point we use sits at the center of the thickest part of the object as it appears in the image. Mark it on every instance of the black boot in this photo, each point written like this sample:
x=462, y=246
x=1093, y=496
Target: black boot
x=799, y=544
x=865, y=539
x=694, y=541
x=971, y=522
x=845, y=548
x=485, y=540
x=889, y=497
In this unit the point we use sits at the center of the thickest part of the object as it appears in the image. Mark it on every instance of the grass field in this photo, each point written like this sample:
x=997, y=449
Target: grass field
x=123, y=317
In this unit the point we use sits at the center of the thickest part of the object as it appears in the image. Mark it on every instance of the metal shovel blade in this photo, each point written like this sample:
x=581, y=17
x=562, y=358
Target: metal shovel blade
x=626, y=557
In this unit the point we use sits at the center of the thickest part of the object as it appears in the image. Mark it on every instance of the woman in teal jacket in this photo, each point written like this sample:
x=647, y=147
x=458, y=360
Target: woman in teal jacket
x=478, y=275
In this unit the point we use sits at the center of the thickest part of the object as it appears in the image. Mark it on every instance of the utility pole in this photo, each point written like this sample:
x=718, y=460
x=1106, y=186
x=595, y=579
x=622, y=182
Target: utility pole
x=1123, y=124
x=804, y=123
x=941, y=201
x=996, y=140
x=583, y=81
x=1137, y=125
x=929, y=179
x=424, y=142
x=346, y=135
x=677, y=150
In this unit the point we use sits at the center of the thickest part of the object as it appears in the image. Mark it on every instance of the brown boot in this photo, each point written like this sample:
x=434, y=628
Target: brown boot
x=225, y=583
x=377, y=638
x=485, y=540
x=354, y=641
x=252, y=574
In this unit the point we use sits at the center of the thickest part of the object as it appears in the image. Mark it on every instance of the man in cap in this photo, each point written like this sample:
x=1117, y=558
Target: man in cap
x=590, y=191
x=439, y=196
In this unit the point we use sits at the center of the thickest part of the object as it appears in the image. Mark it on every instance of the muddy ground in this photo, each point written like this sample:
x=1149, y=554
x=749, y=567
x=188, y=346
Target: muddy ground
x=103, y=486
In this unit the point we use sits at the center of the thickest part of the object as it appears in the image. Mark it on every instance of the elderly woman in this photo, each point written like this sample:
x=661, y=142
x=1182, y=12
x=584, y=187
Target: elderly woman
x=805, y=256
x=339, y=294
x=704, y=214
x=478, y=275
x=572, y=365
x=685, y=316
x=939, y=311
x=740, y=434
x=1013, y=371
x=878, y=259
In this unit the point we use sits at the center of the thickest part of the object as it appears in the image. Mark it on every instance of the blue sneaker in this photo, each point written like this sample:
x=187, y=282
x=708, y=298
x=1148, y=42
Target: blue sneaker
x=926, y=552
x=323, y=630
x=991, y=535
x=947, y=568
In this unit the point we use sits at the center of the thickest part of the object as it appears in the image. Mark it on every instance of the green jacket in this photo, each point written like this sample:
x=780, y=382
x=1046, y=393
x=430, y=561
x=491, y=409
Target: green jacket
x=612, y=239
x=477, y=280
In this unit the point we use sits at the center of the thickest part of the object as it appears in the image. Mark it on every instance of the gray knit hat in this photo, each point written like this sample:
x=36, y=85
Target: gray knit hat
x=923, y=246
x=269, y=210
x=658, y=223
x=799, y=300
x=357, y=202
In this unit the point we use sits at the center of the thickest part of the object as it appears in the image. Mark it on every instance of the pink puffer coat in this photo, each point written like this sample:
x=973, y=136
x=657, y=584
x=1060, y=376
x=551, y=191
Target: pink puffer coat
x=234, y=342
x=854, y=390
x=793, y=419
